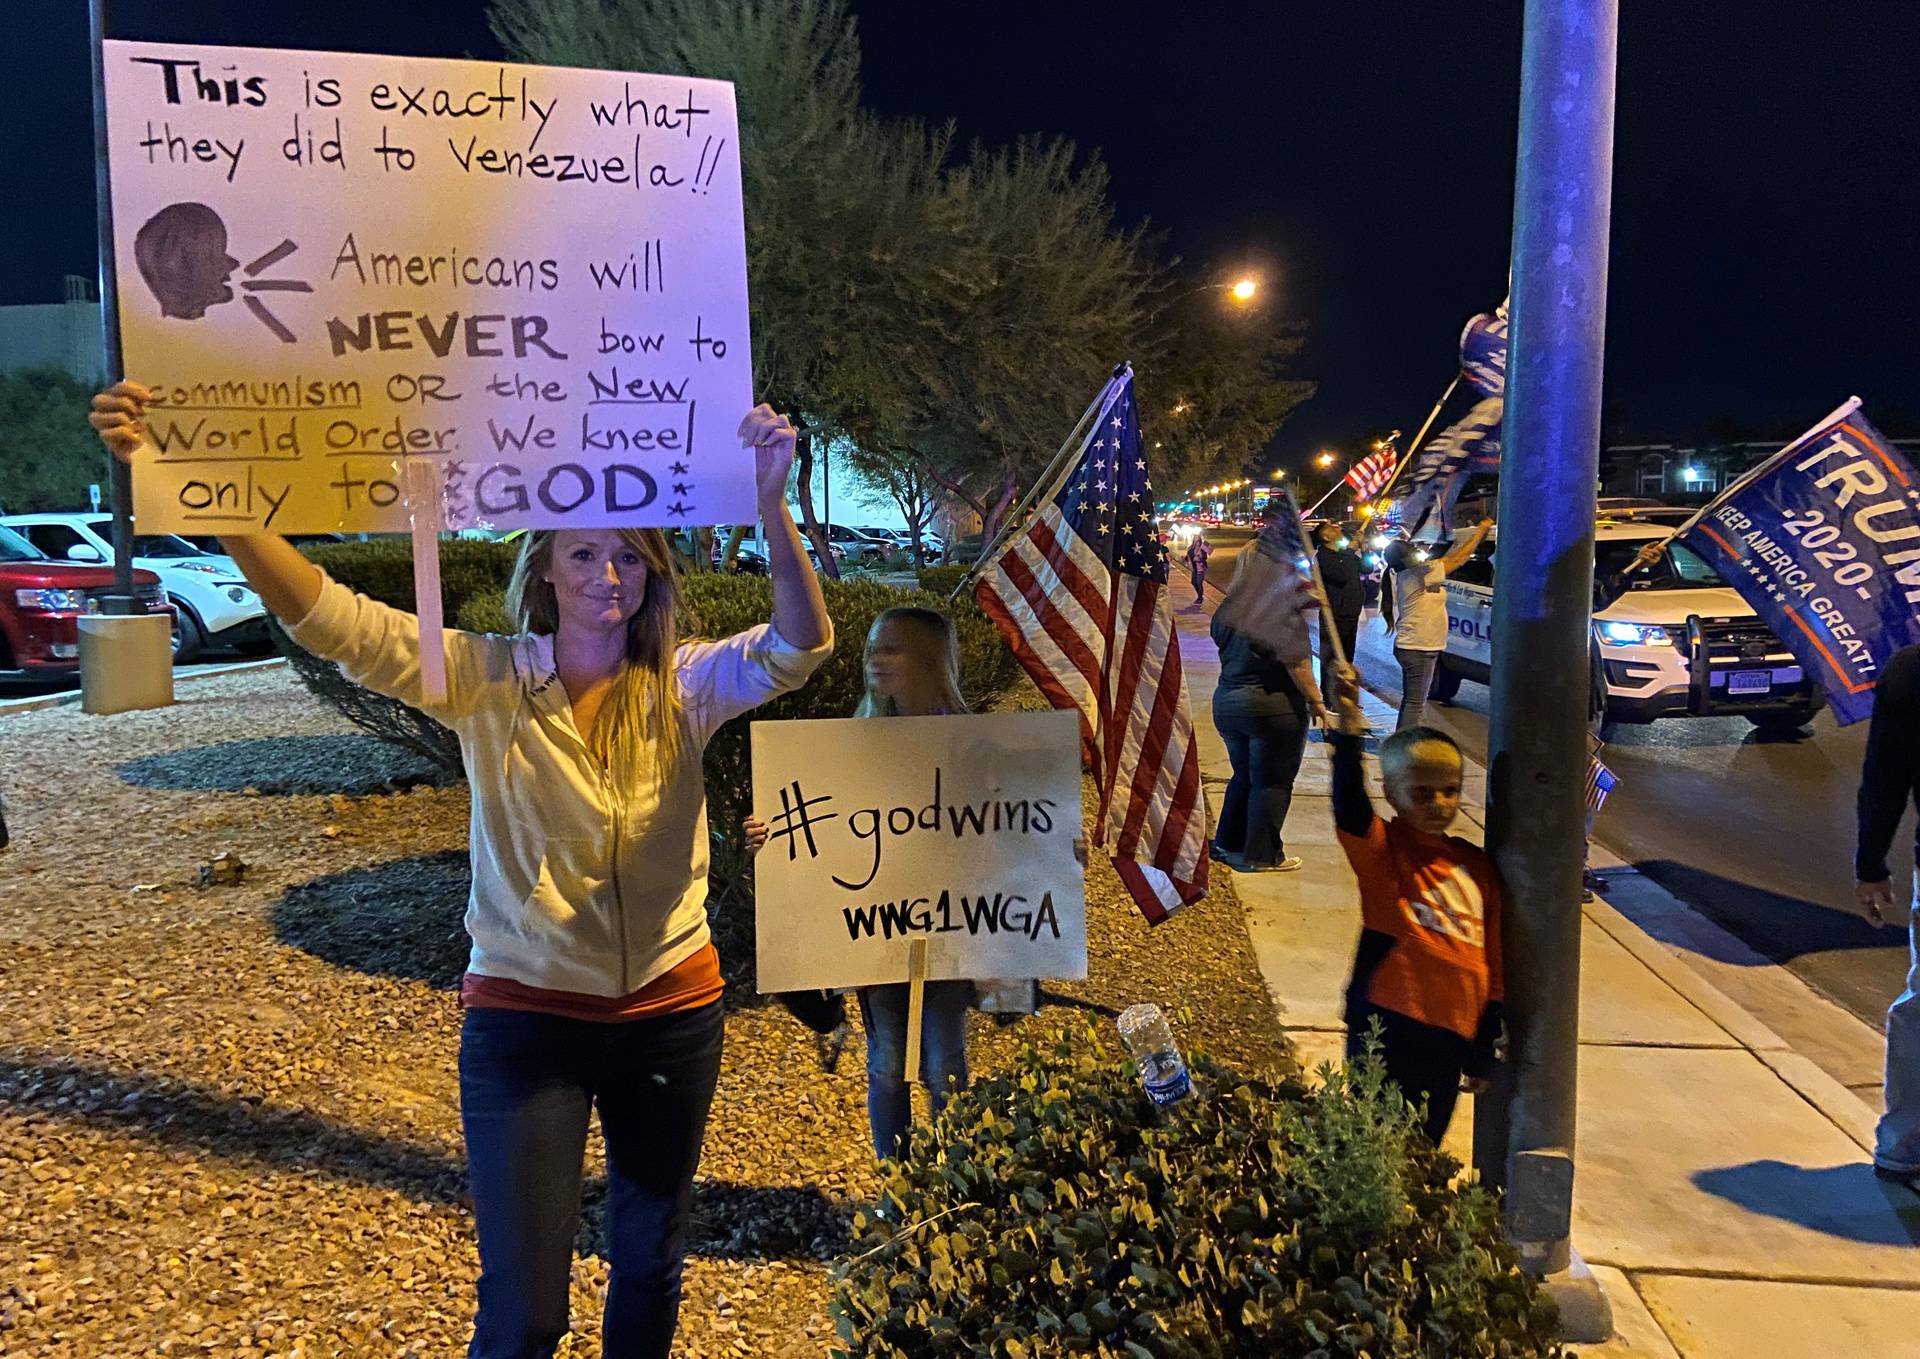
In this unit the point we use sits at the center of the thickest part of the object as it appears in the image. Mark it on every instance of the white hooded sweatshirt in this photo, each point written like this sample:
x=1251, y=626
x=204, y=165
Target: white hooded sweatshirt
x=579, y=883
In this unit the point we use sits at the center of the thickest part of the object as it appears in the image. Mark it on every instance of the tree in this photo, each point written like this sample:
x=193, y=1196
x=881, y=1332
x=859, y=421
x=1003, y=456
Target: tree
x=835, y=199
x=1218, y=387
x=49, y=456
x=1052, y=292
x=904, y=477
x=948, y=315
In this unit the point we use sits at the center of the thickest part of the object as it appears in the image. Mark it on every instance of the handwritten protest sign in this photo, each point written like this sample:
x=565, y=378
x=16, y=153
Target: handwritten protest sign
x=532, y=279
x=954, y=831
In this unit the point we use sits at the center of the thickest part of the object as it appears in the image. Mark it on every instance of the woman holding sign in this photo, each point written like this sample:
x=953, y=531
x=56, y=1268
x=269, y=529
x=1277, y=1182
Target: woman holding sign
x=592, y=980
x=913, y=670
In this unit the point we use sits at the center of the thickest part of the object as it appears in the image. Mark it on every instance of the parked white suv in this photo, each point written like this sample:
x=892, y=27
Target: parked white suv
x=215, y=605
x=1678, y=642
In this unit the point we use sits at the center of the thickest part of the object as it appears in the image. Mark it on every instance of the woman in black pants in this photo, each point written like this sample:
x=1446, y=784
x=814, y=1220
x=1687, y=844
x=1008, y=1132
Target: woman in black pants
x=1261, y=708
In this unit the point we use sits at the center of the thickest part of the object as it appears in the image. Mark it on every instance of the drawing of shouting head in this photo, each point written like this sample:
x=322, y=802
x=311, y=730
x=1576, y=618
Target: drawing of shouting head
x=182, y=254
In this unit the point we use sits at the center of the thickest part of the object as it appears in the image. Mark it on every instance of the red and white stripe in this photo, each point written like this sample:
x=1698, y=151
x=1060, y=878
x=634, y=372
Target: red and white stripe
x=1103, y=642
x=1370, y=474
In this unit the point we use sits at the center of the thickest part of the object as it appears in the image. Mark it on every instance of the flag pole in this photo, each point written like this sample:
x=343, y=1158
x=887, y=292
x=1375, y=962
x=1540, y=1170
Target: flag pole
x=1052, y=478
x=1343, y=481
x=1329, y=631
x=1414, y=447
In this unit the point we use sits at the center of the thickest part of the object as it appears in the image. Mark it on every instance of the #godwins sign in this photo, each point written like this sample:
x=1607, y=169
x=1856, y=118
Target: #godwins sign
x=531, y=278
x=1823, y=540
x=958, y=831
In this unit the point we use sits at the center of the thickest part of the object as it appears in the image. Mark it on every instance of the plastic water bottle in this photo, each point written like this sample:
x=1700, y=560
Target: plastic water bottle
x=1145, y=1032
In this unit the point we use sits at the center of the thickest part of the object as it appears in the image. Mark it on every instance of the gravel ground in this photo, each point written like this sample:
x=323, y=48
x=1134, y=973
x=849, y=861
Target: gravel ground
x=228, y=1119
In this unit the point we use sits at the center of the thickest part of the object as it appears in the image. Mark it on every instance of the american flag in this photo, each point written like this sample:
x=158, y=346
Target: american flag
x=1081, y=595
x=1370, y=474
x=1600, y=781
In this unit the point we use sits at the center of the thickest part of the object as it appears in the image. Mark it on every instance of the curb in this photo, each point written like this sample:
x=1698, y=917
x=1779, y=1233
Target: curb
x=16, y=706
x=1834, y=1102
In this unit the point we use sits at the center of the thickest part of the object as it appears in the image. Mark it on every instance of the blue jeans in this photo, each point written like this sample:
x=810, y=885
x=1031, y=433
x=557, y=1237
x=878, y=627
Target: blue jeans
x=1265, y=753
x=528, y=1084
x=943, y=1054
x=1416, y=680
x=1897, y=1141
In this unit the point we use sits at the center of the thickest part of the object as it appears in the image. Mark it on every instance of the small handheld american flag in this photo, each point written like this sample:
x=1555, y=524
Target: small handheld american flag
x=1370, y=474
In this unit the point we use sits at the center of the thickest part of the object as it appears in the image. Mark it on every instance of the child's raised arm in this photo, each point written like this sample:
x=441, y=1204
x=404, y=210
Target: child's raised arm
x=1352, y=807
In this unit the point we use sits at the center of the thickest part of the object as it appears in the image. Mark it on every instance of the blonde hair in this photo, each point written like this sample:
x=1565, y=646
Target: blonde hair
x=642, y=712
x=939, y=653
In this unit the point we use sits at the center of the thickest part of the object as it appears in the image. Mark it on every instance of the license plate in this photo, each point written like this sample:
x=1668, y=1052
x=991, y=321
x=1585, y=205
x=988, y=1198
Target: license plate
x=1750, y=682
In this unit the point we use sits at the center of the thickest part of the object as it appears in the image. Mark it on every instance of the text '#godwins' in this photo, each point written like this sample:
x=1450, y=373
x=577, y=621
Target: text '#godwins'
x=800, y=819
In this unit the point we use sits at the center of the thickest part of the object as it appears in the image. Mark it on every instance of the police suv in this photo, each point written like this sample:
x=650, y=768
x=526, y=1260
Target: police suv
x=1678, y=642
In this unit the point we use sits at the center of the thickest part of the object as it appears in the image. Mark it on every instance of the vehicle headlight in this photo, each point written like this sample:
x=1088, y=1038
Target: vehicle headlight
x=1380, y=541
x=53, y=601
x=202, y=567
x=1634, y=634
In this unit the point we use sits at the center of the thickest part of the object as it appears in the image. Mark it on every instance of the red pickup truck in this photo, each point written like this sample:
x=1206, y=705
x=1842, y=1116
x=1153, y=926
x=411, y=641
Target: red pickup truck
x=41, y=602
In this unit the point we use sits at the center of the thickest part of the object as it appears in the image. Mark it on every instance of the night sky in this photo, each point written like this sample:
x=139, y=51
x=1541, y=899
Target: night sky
x=1766, y=193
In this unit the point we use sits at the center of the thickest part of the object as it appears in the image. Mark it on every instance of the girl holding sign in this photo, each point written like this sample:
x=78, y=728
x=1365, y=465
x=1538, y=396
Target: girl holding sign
x=592, y=980
x=913, y=670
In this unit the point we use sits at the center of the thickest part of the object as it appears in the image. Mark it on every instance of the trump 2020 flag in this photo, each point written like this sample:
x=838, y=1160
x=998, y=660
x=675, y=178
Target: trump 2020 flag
x=1823, y=540
x=1470, y=444
x=1483, y=352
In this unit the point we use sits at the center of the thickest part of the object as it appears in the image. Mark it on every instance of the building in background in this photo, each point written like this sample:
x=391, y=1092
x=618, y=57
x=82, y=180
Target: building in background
x=1690, y=473
x=63, y=335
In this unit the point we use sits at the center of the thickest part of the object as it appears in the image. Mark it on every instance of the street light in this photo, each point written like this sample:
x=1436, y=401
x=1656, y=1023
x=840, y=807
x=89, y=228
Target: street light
x=1240, y=290
x=1326, y=460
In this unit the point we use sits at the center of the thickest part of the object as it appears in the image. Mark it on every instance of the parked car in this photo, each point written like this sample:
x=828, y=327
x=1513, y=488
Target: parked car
x=746, y=561
x=217, y=607
x=42, y=602
x=930, y=545
x=1680, y=642
x=757, y=544
x=857, y=545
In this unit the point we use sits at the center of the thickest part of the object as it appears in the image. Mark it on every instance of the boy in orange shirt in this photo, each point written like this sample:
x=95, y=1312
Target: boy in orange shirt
x=1428, y=965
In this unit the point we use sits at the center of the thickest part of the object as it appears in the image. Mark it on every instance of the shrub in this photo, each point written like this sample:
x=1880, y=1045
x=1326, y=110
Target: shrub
x=1051, y=1210
x=383, y=569
x=943, y=580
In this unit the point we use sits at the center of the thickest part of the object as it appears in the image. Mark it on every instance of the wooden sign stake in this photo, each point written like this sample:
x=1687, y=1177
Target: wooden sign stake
x=423, y=506
x=916, y=1001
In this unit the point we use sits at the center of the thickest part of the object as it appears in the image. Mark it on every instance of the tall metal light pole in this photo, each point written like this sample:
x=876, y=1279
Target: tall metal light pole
x=1524, y=1133
x=119, y=476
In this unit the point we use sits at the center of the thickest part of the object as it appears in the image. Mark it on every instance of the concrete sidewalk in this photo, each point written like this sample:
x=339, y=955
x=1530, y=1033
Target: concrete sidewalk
x=1723, y=1192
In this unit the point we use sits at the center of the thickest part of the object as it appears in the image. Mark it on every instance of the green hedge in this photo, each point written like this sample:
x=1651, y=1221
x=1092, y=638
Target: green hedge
x=943, y=580
x=383, y=569
x=474, y=576
x=1052, y=1211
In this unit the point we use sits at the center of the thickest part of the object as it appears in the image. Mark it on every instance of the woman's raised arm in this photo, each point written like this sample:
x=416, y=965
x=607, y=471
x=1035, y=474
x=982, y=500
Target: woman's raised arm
x=799, y=609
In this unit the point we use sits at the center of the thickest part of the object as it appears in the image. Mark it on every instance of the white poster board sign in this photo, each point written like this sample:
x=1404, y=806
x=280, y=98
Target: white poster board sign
x=531, y=278
x=956, y=831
